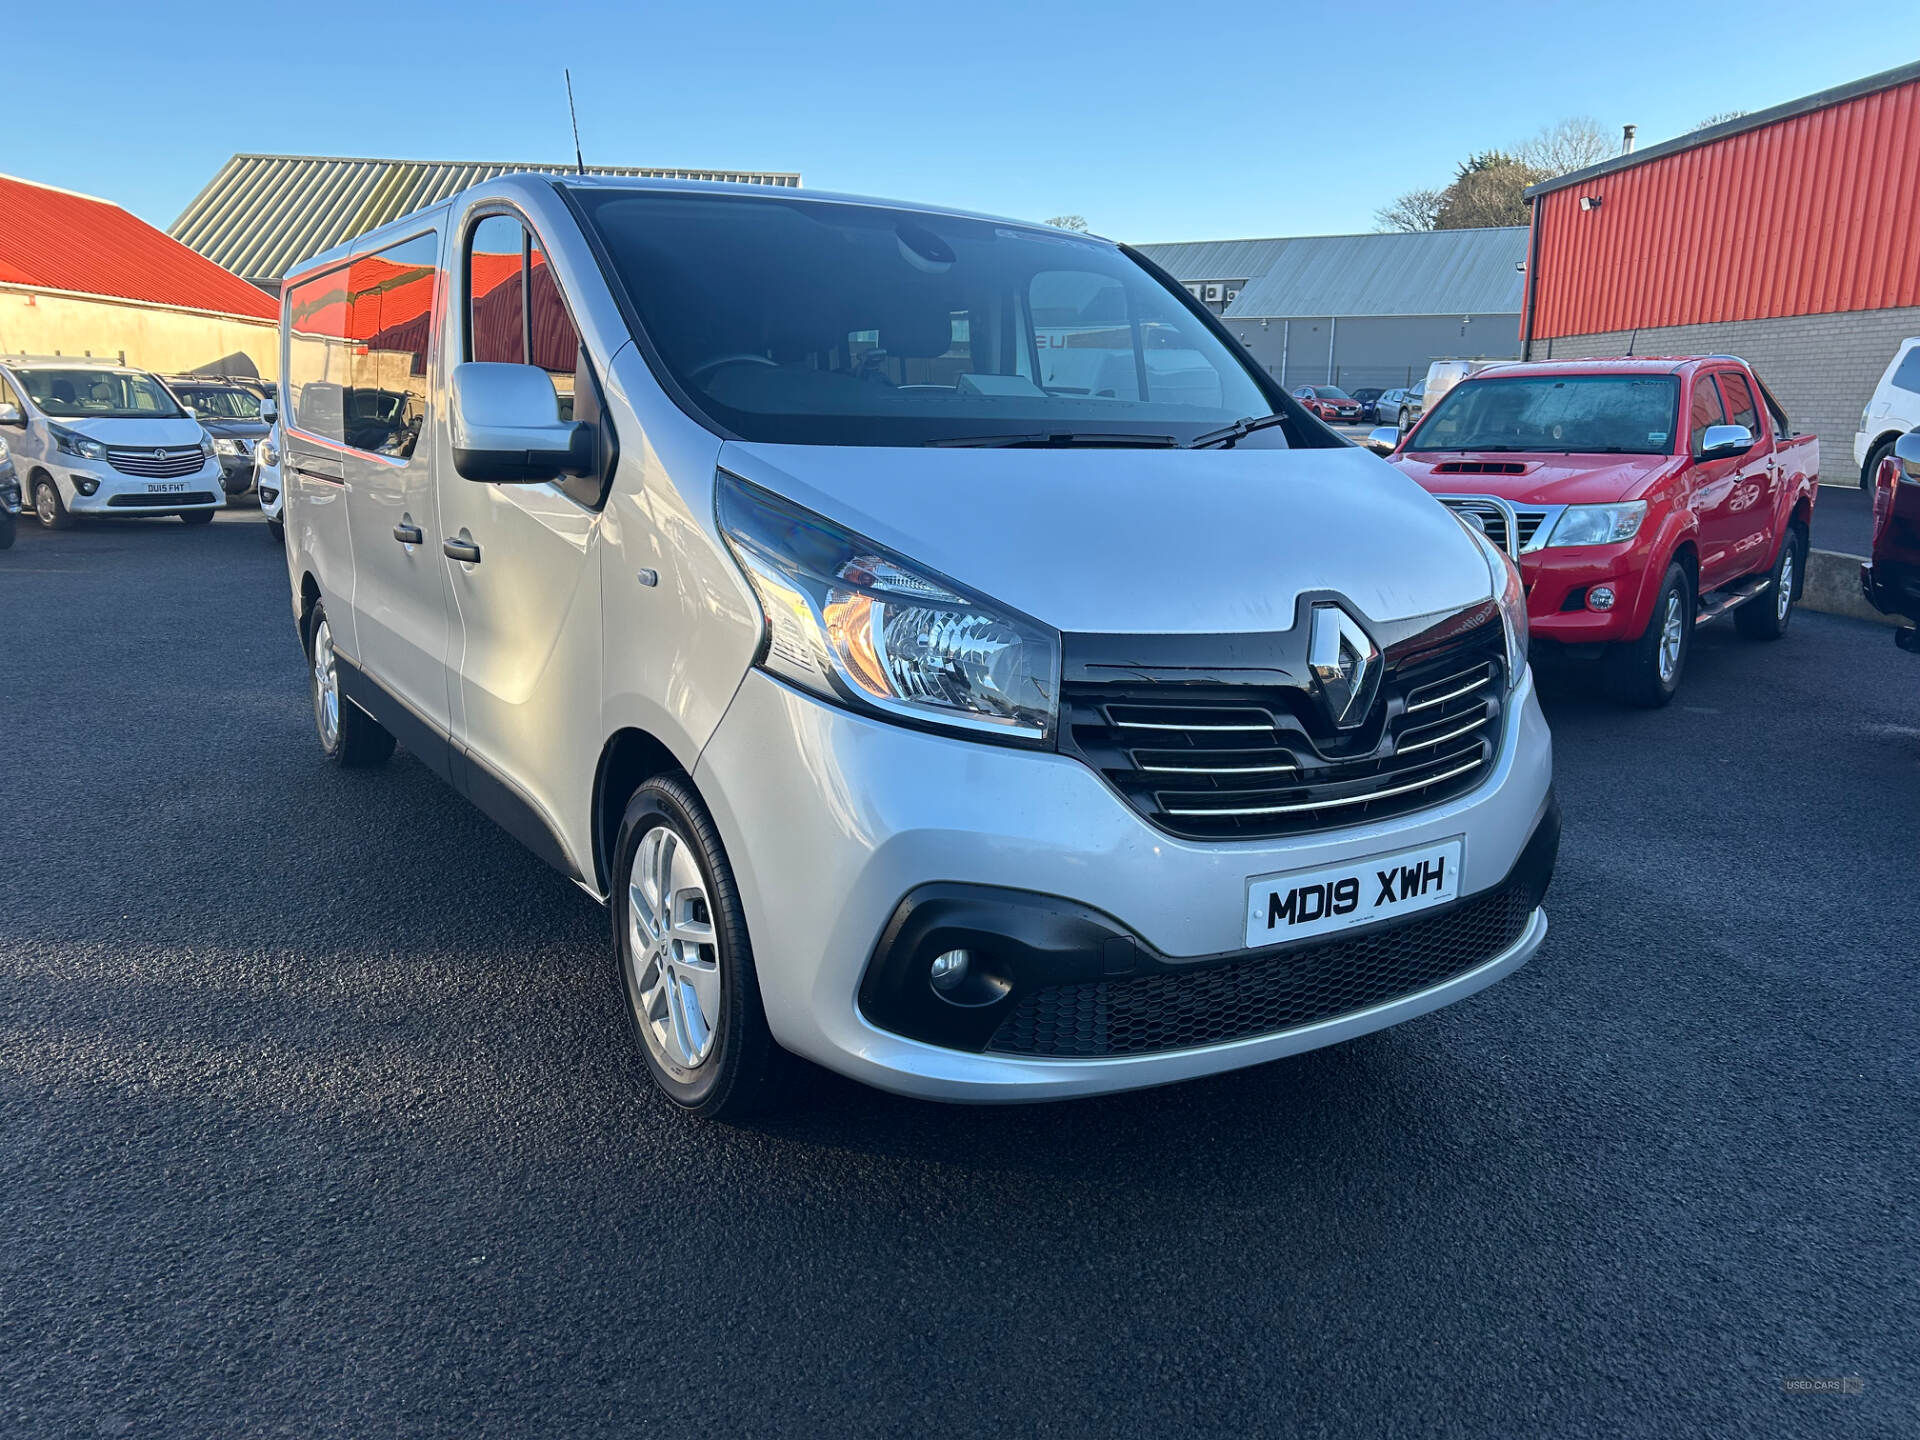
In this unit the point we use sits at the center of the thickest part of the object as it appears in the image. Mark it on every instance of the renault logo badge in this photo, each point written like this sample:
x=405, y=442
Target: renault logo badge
x=1346, y=664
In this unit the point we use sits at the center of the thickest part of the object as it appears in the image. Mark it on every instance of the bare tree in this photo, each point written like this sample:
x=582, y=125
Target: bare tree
x=1415, y=210
x=1720, y=117
x=1069, y=222
x=1573, y=144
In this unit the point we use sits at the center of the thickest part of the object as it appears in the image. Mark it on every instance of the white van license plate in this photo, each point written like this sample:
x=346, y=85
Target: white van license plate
x=1298, y=903
x=168, y=487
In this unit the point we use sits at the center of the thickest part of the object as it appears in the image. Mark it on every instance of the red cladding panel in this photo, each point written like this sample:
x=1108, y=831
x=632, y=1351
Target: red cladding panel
x=1811, y=214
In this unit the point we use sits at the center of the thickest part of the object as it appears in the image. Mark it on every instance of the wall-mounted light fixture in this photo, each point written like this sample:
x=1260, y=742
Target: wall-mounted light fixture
x=1589, y=202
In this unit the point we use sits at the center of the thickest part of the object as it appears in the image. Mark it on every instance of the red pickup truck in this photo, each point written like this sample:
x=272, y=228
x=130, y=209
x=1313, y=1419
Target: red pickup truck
x=1640, y=498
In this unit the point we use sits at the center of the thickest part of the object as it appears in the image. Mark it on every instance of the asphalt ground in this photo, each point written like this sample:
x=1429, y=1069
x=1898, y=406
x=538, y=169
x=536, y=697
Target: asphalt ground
x=318, y=1115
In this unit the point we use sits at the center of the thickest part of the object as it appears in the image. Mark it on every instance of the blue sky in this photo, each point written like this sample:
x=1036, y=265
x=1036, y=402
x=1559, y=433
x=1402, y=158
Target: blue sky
x=1155, y=121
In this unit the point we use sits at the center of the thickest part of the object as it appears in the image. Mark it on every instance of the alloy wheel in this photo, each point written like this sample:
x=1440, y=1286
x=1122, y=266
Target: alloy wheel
x=46, y=505
x=672, y=953
x=326, y=687
x=1672, y=635
x=1783, y=598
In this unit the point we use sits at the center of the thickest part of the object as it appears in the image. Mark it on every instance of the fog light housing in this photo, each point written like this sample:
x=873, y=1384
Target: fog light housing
x=949, y=970
x=268, y=495
x=85, y=484
x=1600, y=597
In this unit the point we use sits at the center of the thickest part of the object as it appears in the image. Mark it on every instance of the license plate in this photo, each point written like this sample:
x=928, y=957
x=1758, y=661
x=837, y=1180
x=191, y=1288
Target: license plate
x=167, y=487
x=1297, y=903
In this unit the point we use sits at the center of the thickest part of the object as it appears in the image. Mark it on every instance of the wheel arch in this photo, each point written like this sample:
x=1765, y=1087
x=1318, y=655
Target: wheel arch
x=629, y=759
x=1867, y=467
x=309, y=602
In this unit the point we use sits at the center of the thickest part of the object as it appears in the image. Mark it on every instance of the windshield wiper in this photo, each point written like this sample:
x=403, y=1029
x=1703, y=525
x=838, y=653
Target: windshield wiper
x=1048, y=439
x=1228, y=434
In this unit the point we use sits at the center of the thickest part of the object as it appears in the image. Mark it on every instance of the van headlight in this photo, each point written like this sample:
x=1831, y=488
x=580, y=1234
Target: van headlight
x=1598, y=524
x=856, y=624
x=1510, y=596
x=223, y=446
x=72, y=442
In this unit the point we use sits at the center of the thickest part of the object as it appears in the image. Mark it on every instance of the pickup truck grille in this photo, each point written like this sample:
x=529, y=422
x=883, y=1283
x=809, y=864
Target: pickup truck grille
x=1227, y=761
x=1493, y=516
x=162, y=464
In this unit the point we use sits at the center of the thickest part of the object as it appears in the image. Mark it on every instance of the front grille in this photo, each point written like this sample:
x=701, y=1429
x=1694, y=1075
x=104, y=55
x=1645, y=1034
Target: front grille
x=1303, y=986
x=166, y=464
x=161, y=502
x=1493, y=515
x=1226, y=761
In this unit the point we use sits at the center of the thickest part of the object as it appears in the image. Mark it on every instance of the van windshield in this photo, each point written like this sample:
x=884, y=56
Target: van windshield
x=818, y=322
x=80, y=394
x=1555, y=414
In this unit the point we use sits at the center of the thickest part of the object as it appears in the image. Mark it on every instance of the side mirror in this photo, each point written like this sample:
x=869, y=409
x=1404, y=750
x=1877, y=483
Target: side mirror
x=1907, y=451
x=1384, y=438
x=507, y=428
x=10, y=415
x=1723, y=441
x=269, y=411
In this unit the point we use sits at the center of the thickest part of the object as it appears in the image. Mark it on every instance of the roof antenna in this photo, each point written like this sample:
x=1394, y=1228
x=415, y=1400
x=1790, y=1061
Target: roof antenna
x=578, y=164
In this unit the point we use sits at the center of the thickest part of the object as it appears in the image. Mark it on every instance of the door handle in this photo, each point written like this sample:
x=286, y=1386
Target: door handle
x=408, y=534
x=461, y=550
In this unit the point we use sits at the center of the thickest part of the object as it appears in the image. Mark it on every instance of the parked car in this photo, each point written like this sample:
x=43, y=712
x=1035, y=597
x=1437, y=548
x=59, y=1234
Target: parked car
x=1891, y=578
x=1641, y=498
x=99, y=439
x=1329, y=402
x=777, y=597
x=9, y=497
x=1369, y=398
x=230, y=412
x=1893, y=410
x=266, y=483
x=1399, y=407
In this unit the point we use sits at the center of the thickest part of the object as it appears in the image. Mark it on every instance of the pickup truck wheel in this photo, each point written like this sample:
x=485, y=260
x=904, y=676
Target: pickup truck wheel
x=1765, y=617
x=686, y=963
x=1647, y=671
x=350, y=738
x=277, y=532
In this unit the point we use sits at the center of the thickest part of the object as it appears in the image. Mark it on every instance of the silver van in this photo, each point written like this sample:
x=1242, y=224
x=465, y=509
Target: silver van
x=947, y=656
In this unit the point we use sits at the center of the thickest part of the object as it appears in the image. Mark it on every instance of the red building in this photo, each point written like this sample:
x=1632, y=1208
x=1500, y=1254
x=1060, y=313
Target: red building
x=1789, y=237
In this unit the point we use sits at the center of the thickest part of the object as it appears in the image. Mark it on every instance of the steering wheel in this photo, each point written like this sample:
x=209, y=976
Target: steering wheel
x=707, y=366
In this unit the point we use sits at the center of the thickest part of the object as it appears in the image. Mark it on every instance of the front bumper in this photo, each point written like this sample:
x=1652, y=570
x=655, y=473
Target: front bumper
x=832, y=821
x=126, y=495
x=1558, y=580
x=1892, y=588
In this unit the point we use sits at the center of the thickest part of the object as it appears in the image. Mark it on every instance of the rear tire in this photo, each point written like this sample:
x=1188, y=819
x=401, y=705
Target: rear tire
x=349, y=737
x=48, y=506
x=1647, y=672
x=1401, y=420
x=1767, y=615
x=686, y=962
x=1872, y=469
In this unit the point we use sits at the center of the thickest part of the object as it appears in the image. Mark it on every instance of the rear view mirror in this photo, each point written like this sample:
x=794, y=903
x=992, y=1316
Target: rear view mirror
x=507, y=428
x=1722, y=441
x=1384, y=438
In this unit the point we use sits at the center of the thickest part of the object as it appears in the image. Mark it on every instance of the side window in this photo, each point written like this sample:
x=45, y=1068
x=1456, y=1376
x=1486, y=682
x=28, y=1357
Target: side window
x=1907, y=377
x=1740, y=407
x=555, y=343
x=1706, y=411
x=8, y=396
x=318, y=356
x=392, y=297
x=497, y=291
x=1780, y=426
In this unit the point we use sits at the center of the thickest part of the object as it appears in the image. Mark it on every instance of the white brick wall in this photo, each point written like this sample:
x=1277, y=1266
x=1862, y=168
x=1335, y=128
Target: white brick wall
x=1822, y=368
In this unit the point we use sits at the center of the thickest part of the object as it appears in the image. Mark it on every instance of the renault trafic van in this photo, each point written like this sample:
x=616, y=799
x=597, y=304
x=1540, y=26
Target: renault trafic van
x=950, y=659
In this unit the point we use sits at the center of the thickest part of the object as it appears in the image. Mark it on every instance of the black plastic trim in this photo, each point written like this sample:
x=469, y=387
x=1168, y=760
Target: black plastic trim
x=1023, y=941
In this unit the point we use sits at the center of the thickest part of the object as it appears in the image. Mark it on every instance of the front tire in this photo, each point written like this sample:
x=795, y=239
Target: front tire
x=50, y=509
x=1767, y=615
x=1647, y=671
x=277, y=532
x=349, y=737
x=196, y=517
x=686, y=962
x=1401, y=421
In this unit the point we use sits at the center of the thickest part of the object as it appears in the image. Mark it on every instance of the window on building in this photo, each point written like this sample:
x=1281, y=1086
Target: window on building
x=1741, y=409
x=392, y=297
x=1706, y=412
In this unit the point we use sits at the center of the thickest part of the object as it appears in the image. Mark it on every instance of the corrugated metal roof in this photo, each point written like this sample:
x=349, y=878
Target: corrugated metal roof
x=264, y=213
x=1823, y=100
x=57, y=240
x=1429, y=272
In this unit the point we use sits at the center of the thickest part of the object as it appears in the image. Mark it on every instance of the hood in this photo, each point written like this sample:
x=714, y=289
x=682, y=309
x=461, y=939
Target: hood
x=236, y=429
x=1544, y=479
x=171, y=433
x=1143, y=541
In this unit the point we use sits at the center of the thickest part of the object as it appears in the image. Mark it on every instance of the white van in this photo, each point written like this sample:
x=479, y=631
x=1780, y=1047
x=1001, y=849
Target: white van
x=981, y=726
x=1893, y=411
x=90, y=438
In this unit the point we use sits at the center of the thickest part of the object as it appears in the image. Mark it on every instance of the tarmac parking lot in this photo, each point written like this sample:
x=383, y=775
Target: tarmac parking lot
x=320, y=1116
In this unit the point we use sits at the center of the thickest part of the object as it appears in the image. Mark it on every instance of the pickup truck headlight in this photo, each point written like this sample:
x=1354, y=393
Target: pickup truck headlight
x=72, y=442
x=1599, y=524
x=1510, y=594
x=858, y=625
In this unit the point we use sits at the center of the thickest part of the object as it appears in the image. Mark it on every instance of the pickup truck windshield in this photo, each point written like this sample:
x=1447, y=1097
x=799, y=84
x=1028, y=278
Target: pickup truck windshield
x=1555, y=415
x=819, y=322
x=99, y=395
